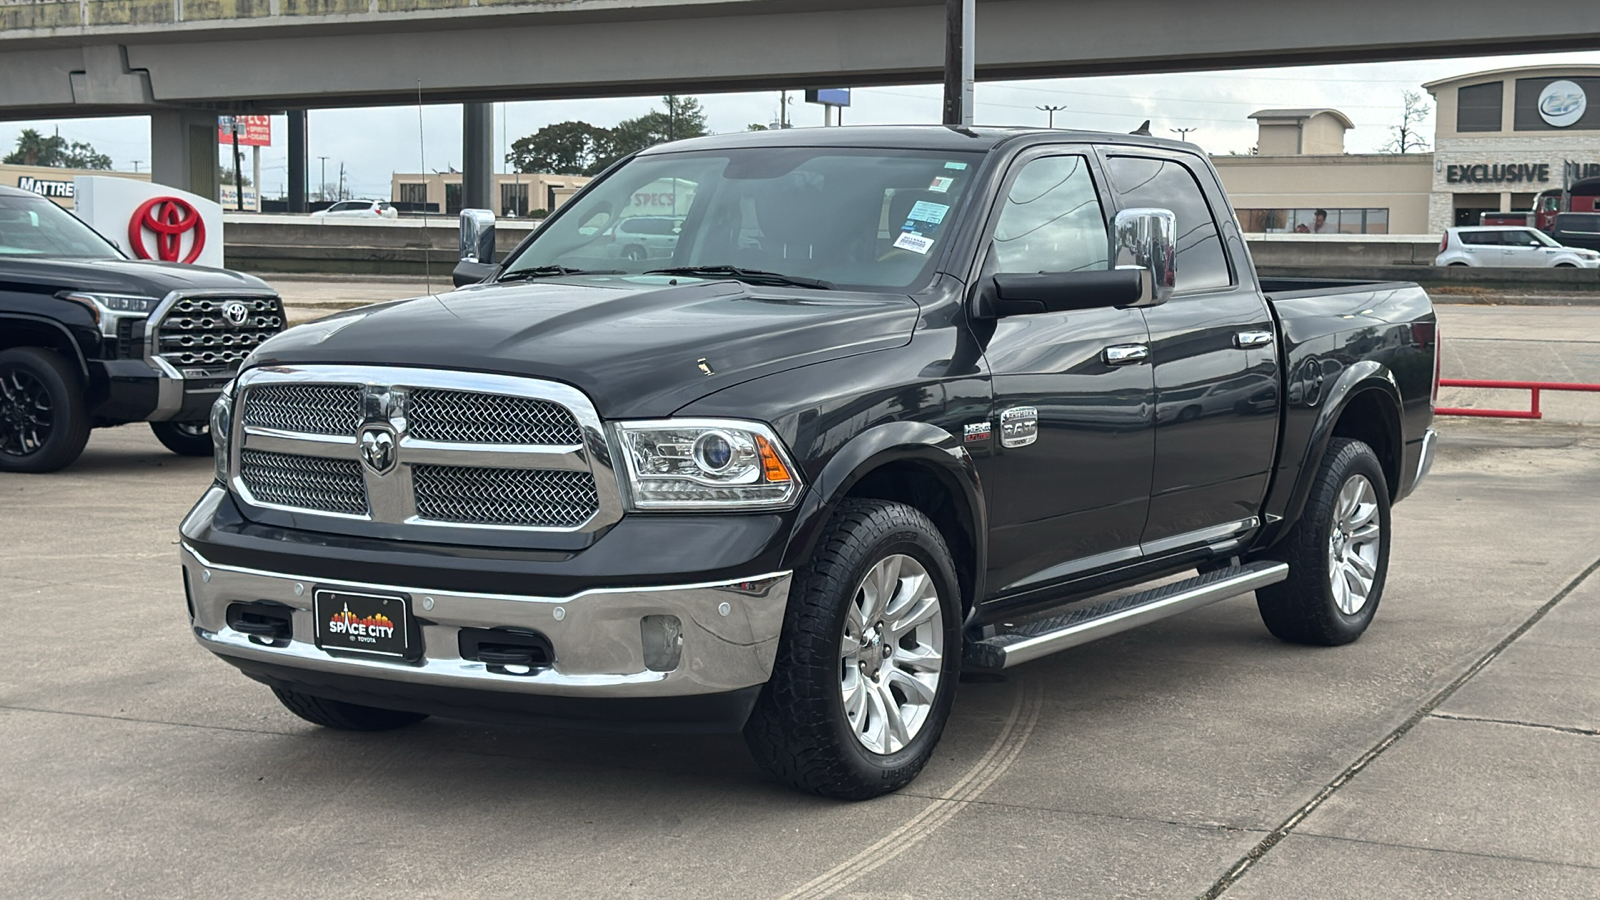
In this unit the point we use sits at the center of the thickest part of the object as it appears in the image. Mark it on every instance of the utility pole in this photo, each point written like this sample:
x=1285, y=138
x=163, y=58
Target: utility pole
x=238, y=163
x=1052, y=110
x=322, y=186
x=783, y=109
x=1183, y=133
x=341, y=180
x=136, y=165
x=959, y=65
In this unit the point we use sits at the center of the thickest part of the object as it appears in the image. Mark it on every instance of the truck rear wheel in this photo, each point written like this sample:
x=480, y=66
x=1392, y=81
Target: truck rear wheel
x=43, y=424
x=345, y=716
x=1338, y=553
x=869, y=657
x=184, y=438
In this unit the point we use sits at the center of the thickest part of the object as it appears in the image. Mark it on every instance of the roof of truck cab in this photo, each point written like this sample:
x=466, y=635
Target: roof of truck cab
x=910, y=137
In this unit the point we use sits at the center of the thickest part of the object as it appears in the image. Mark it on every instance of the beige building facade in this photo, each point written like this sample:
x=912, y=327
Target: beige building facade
x=55, y=183
x=515, y=195
x=1504, y=141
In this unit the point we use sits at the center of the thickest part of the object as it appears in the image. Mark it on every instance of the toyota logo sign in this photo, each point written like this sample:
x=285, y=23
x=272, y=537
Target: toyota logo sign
x=168, y=220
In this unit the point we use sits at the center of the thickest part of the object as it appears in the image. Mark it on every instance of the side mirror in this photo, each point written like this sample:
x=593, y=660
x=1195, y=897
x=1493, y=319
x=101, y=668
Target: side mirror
x=1017, y=294
x=1142, y=240
x=477, y=236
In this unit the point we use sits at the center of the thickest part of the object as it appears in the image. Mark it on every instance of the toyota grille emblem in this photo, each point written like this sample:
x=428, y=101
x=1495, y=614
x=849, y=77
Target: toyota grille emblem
x=235, y=312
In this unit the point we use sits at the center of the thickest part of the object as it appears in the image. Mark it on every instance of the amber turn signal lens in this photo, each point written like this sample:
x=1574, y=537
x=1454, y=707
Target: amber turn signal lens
x=771, y=463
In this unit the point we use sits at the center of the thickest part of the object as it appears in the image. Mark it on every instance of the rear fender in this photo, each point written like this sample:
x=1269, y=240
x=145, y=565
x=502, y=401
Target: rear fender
x=1360, y=378
x=925, y=446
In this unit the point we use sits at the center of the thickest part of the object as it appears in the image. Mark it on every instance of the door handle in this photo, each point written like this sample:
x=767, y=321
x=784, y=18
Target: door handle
x=1125, y=354
x=1244, y=340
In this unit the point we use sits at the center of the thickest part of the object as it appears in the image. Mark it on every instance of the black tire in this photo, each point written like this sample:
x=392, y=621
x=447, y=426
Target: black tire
x=1305, y=608
x=1462, y=265
x=184, y=438
x=635, y=253
x=345, y=716
x=43, y=422
x=799, y=731
x=1565, y=266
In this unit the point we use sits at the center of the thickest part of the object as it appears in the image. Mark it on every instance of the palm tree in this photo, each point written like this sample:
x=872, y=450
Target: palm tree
x=34, y=149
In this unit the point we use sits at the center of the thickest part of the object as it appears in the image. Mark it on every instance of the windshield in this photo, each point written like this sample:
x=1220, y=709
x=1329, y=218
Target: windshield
x=862, y=218
x=33, y=226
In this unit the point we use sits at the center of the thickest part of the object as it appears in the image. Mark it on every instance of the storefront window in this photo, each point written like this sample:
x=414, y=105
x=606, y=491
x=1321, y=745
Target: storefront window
x=1316, y=220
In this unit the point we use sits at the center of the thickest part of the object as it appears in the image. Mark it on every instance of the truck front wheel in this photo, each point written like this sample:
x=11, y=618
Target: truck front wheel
x=43, y=424
x=184, y=438
x=1338, y=553
x=869, y=658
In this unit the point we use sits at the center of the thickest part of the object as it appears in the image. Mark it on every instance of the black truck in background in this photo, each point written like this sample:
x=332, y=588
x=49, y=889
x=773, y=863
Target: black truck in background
x=90, y=338
x=897, y=402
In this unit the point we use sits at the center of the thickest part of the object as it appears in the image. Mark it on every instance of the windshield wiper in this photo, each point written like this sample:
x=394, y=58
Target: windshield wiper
x=553, y=271
x=753, y=276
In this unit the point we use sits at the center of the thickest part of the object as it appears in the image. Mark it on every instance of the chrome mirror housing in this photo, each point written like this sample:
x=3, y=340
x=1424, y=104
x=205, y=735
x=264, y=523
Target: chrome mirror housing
x=1144, y=239
x=477, y=236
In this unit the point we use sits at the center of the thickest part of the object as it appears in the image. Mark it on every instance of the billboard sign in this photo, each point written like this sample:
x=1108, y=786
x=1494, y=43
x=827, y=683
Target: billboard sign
x=254, y=131
x=829, y=96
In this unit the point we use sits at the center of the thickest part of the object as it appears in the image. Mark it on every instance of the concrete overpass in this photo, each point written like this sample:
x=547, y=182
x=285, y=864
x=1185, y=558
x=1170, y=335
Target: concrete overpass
x=185, y=60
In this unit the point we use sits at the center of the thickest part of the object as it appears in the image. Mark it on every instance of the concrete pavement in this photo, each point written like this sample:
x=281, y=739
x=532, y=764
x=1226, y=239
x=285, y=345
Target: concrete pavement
x=1451, y=752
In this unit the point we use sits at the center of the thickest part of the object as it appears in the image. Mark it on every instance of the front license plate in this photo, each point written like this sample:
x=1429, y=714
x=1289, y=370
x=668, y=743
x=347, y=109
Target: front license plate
x=368, y=623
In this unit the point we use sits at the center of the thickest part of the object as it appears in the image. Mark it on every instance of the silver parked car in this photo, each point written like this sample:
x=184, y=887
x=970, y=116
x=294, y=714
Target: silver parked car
x=1510, y=246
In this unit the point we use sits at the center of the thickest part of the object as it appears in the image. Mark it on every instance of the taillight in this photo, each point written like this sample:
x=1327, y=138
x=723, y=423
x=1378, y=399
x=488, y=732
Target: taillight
x=1438, y=362
x=1444, y=244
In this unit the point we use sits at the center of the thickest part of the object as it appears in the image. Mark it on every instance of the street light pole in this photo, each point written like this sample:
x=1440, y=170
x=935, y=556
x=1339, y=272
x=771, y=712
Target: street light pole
x=322, y=186
x=1052, y=110
x=1183, y=133
x=959, y=66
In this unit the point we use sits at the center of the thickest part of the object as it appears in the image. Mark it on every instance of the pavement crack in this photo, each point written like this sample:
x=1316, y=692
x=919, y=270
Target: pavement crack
x=1564, y=729
x=1504, y=857
x=89, y=715
x=1273, y=838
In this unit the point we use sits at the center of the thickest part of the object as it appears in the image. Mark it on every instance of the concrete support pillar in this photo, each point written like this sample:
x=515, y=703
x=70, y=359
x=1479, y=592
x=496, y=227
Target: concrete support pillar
x=183, y=150
x=477, y=156
x=299, y=151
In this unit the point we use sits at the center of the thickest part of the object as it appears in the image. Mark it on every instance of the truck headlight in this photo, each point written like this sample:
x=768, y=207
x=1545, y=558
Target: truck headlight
x=706, y=464
x=222, y=430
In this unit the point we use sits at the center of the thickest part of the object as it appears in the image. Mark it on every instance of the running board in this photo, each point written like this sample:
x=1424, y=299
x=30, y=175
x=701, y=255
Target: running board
x=1080, y=626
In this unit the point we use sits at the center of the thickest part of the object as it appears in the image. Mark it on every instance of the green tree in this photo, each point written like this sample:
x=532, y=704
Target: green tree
x=35, y=149
x=225, y=176
x=565, y=148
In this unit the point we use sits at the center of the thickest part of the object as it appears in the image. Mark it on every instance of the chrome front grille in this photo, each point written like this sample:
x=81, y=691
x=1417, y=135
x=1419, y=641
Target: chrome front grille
x=196, y=330
x=305, y=408
x=456, y=456
x=305, y=482
x=468, y=417
x=538, y=498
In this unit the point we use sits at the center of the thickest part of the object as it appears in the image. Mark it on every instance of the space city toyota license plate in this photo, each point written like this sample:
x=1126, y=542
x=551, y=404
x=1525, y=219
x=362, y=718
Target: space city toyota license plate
x=367, y=623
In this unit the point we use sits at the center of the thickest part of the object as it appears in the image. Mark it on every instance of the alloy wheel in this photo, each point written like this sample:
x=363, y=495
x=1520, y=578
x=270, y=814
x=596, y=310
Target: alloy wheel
x=891, y=654
x=26, y=414
x=1353, y=544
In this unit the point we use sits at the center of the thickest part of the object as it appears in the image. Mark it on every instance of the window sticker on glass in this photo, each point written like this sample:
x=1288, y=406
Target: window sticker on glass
x=941, y=185
x=958, y=166
x=914, y=242
x=932, y=213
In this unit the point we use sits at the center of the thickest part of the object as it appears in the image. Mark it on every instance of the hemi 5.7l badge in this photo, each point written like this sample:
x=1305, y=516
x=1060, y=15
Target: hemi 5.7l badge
x=977, y=431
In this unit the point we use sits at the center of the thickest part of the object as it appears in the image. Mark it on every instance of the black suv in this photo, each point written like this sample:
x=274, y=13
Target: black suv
x=1578, y=230
x=90, y=338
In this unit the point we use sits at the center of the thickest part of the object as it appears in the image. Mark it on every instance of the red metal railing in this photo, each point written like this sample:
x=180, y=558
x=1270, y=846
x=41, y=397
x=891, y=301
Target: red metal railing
x=1536, y=387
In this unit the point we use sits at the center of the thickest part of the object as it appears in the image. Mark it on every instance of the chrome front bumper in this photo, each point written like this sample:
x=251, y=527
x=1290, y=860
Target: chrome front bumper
x=730, y=633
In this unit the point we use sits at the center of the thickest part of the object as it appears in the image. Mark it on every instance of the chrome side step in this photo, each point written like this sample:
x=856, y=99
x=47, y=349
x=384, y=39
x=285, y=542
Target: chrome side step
x=1080, y=626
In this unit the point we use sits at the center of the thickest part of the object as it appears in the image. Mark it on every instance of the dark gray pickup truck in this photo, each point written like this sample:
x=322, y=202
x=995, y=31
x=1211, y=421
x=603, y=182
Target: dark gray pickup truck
x=892, y=404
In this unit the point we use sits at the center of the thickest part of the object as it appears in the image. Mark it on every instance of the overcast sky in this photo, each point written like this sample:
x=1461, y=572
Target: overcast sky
x=373, y=143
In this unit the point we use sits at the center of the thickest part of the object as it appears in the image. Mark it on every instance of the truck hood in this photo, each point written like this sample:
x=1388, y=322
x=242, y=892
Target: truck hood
x=635, y=344
x=119, y=276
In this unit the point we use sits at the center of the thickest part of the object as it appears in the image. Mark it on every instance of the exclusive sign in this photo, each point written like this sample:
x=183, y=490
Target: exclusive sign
x=1498, y=174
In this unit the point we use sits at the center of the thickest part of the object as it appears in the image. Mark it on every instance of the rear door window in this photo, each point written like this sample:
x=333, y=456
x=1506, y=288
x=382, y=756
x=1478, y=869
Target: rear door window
x=1167, y=184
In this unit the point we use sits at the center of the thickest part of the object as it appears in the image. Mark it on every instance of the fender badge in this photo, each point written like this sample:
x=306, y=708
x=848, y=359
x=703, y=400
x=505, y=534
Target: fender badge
x=704, y=366
x=977, y=431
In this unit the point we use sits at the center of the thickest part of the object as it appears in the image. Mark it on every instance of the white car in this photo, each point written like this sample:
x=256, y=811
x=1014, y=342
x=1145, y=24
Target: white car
x=366, y=209
x=1527, y=248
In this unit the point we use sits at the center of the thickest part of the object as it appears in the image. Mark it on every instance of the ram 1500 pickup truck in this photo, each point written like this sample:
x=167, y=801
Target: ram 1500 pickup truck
x=91, y=339
x=899, y=402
